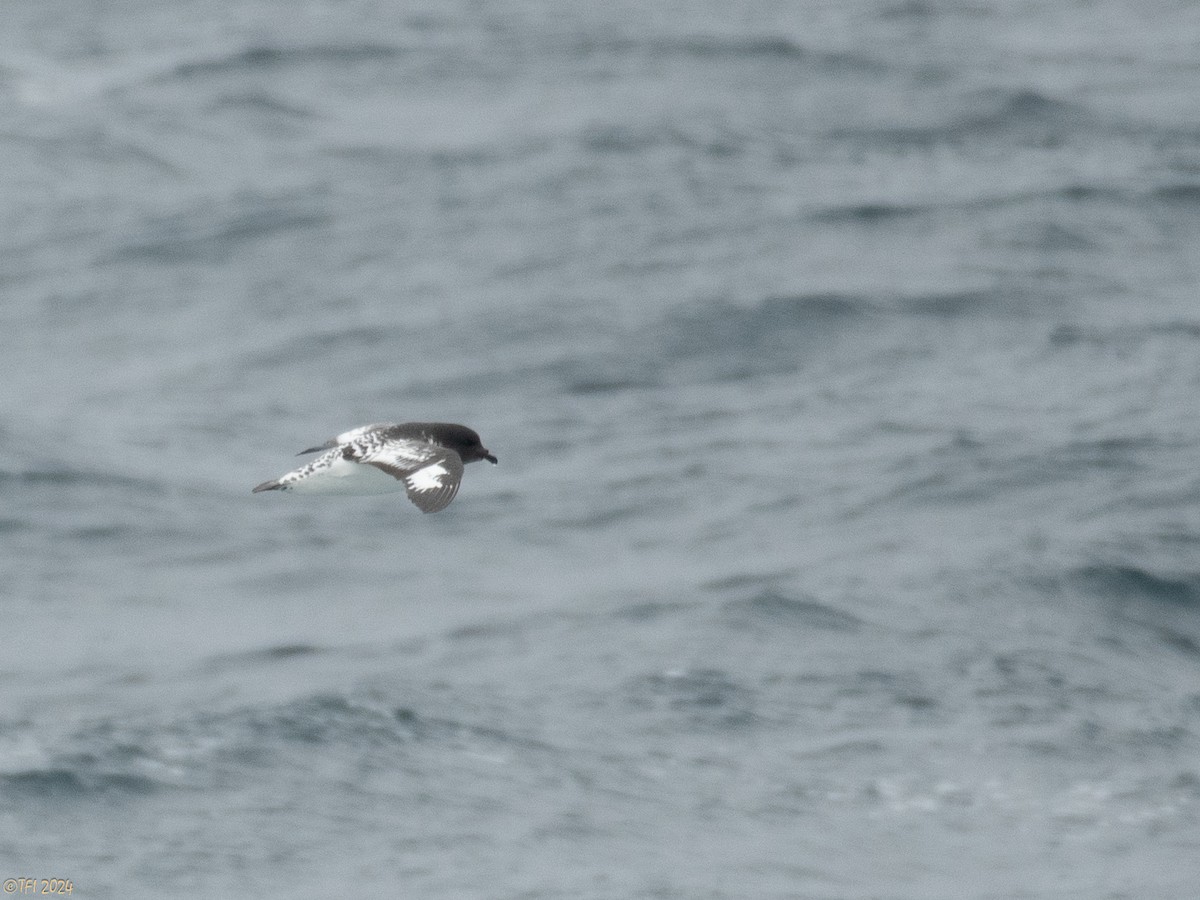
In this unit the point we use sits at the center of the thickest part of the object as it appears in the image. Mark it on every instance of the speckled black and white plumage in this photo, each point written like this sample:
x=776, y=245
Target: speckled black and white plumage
x=425, y=459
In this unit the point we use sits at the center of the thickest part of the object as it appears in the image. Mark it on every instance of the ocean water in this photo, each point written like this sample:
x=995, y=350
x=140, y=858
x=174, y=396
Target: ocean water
x=843, y=364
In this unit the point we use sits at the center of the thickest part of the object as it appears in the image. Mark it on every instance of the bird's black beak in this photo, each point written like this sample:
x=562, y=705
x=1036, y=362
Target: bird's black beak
x=490, y=458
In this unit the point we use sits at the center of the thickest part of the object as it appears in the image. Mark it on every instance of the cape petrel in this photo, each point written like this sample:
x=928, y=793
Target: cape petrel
x=425, y=459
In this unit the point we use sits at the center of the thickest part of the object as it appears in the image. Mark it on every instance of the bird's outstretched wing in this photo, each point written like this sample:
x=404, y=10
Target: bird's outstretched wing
x=431, y=474
x=346, y=437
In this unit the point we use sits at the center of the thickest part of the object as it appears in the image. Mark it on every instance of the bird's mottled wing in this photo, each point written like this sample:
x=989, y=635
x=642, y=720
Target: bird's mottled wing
x=431, y=474
x=363, y=432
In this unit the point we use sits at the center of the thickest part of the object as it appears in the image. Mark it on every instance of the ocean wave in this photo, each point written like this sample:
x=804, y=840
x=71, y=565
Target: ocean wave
x=603, y=517
x=723, y=141
x=709, y=48
x=1127, y=336
x=360, y=725
x=262, y=102
x=260, y=656
x=1144, y=602
x=264, y=56
x=718, y=340
x=66, y=783
x=869, y=213
x=650, y=610
x=1024, y=116
x=1134, y=582
x=364, y=729
x=881, y=212
x=44, y=81
x=213, y=234
x=772, y=322
x=207, y=748
x=962, y=469
x=777, y=333
x=715, y=46
x=322, y=719
x=68, y=476
x=705, y=697
x=1186, y=194
x=609, y=384
x=772, y=609
x=696, y=138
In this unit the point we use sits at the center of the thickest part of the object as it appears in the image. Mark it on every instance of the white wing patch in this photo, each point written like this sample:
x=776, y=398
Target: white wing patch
x=433, y=486
x=430, y=478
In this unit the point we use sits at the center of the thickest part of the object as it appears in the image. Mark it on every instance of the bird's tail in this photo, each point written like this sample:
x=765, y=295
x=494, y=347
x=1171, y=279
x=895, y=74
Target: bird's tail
x=267, y=486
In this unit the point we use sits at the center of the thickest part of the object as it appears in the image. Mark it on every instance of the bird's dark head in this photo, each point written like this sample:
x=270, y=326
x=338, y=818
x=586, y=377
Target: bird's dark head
x=462, y=440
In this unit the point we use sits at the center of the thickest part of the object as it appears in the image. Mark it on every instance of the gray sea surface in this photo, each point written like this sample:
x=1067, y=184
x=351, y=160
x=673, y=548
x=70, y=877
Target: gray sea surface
x=843, y=364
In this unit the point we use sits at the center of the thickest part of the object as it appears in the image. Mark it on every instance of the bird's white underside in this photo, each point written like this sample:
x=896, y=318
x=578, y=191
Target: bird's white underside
x=345, y=477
